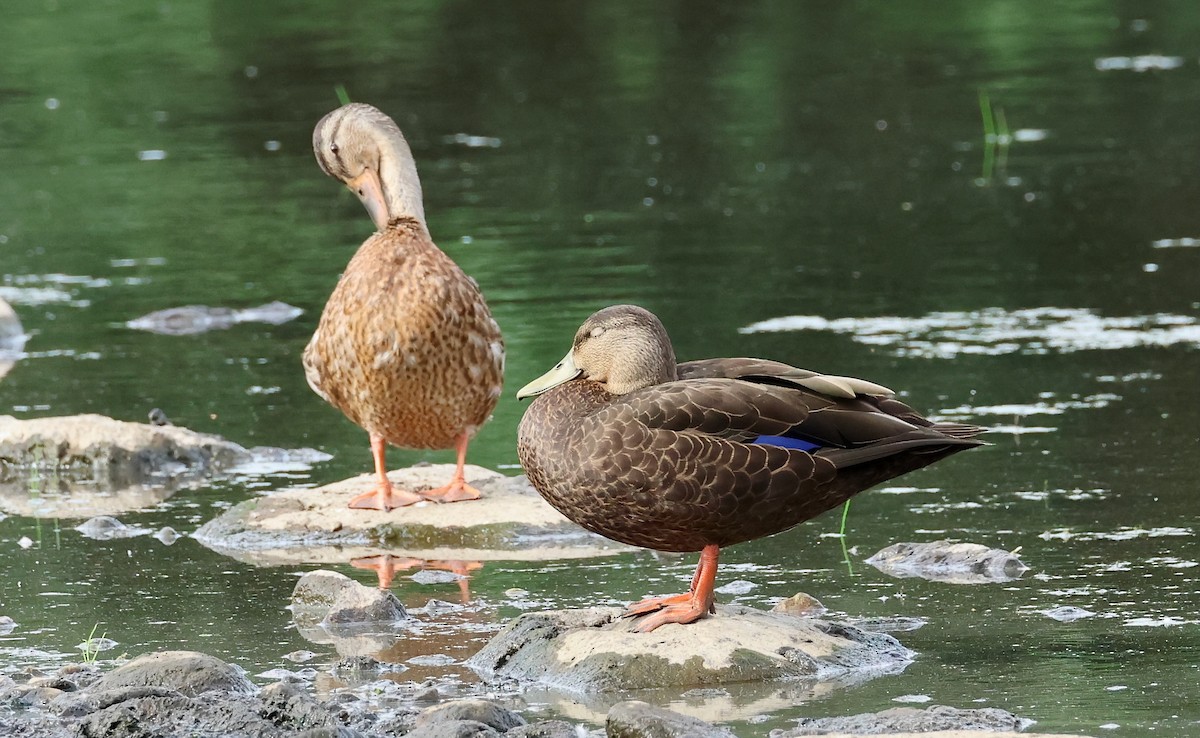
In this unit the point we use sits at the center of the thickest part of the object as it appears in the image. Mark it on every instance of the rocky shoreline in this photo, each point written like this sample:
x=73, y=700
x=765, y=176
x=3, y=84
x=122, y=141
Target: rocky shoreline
x=584, y=664
x=186, y=693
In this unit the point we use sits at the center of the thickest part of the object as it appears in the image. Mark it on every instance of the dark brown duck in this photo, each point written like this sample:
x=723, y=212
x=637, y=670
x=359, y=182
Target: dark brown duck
x=709, y=453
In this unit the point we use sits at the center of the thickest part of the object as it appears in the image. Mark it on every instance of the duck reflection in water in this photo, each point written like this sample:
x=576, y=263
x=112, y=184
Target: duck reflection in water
x=386, y=566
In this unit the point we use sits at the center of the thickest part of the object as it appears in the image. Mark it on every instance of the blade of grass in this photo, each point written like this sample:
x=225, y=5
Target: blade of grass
x=342, y=96
x=842, y=538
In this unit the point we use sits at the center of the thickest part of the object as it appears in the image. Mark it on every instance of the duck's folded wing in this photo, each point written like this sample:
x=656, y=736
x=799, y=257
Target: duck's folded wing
x=763, y=371
x=749, y=412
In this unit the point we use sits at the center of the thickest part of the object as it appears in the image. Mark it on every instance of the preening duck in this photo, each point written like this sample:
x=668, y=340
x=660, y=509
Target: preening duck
x=406, y=346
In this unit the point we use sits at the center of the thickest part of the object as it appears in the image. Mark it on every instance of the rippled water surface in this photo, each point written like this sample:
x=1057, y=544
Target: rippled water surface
x=810, y=182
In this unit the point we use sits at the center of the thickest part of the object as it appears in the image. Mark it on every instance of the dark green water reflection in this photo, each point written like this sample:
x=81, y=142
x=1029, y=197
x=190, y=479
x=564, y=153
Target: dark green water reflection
x=721, y=164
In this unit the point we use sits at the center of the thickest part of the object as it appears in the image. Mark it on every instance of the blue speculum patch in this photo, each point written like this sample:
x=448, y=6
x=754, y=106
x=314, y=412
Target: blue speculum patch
x=786, y=442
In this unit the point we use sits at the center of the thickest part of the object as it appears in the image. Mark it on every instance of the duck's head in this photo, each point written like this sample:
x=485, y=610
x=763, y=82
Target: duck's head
x=363, y=148
x=623, y=348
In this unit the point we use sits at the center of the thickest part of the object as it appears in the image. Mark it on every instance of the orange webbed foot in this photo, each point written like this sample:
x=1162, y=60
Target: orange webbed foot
x=457, y=491
x=686, y=612
x=652, y=604
x=384, y=497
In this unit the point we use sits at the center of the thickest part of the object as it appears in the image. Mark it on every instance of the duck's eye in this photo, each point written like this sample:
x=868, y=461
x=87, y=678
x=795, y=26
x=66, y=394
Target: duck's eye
x=333, y=147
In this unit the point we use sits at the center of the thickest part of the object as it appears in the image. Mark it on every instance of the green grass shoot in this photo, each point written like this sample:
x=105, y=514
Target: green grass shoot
x=342, y=96
x=842, y=538
x=91, y=648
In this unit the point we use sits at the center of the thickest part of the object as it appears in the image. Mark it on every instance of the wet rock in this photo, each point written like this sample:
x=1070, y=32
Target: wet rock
x=946, y=561
x=453, y=729
x=360, y=604
x=100, y=452
x=365, y=666
x=1067, y=613
x=544, y=729
x=7, y=625
x=330, y=598
x=910, y=720
x=800, y=605
x=192, y=319
x=595, y=651
x=12, y=337
x=428, y=694
x=106, y=527
x=896, y=624
x=317, y=591
x=189, y=672
x=479, y=711
x=635, y=719
x=510, y=522
x=284, y=704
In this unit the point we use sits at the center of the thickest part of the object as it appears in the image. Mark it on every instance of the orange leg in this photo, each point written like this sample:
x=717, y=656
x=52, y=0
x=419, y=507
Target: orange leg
x=384, y=496
x=457, y=490
x=685, y=608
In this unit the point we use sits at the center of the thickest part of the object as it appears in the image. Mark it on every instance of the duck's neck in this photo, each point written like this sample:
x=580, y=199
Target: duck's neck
x=401, y=186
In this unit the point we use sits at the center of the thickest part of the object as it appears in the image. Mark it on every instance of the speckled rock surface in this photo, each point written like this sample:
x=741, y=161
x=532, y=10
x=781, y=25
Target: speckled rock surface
x=594, y=650
x=510, y=522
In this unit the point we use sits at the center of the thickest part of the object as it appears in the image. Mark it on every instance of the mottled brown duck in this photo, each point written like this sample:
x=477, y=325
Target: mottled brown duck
x=706, y=454
x=406, y=346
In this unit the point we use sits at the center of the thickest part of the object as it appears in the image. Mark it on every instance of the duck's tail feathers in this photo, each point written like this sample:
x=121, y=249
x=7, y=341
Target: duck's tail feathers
x=918, y=444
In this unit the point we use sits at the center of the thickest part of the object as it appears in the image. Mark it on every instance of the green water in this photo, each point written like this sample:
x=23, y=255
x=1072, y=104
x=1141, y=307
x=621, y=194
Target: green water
x=720, y=164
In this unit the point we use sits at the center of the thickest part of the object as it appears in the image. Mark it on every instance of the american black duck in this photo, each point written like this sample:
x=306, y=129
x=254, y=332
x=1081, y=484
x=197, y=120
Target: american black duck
x=705, y=454
x=406, y=346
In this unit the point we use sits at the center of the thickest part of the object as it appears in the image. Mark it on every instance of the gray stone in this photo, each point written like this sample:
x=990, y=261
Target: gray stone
x=544, y=729
x=189, y=672
x=191, y=319
x=635, y=719
x=801, y=605
x=946, y=561
x=453, y=729
x=356, y=603
x=284, y=704
x=106, y=527
x=910, y=720
x=318, y=590
x=593, y=650
x=480, y=711
x=105, y=451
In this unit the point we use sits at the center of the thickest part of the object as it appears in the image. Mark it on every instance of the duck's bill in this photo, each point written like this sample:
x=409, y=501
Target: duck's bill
x=369, y=189
x=563, y=371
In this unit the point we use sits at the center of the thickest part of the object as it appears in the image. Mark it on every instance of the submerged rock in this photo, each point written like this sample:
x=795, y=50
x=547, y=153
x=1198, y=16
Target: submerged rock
x=910, y=720
x=946, y=561
x=594, y=650
x=106, y=527
x=192, y=319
